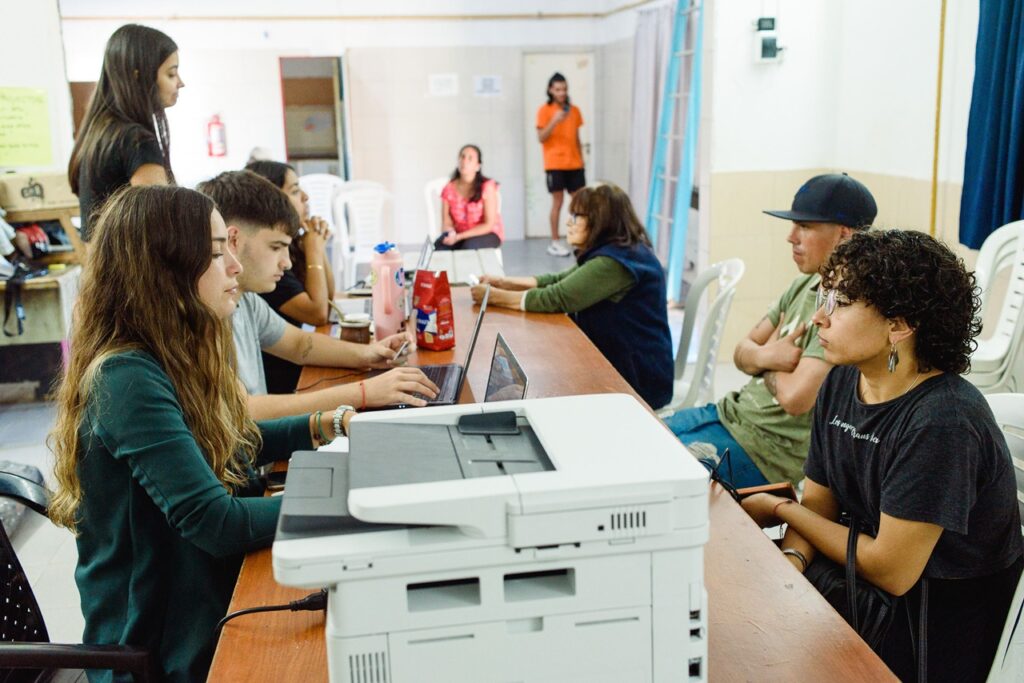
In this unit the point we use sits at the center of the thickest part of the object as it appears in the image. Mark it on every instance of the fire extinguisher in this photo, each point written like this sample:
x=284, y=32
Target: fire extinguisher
x=216, y=137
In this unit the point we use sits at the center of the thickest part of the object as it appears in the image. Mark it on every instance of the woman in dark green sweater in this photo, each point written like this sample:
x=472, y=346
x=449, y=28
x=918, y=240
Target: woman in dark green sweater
x=615, y=292
x=155, y=452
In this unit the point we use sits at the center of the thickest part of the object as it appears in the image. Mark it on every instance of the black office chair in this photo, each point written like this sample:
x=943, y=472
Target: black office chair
x=26, y=653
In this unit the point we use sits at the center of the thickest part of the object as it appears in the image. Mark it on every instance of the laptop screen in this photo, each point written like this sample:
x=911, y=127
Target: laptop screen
x=426, y=251
x=506, y=381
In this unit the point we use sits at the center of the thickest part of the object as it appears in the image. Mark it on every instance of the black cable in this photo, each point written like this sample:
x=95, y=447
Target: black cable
x=332, y=379
x=310, y=603
x=716, y=477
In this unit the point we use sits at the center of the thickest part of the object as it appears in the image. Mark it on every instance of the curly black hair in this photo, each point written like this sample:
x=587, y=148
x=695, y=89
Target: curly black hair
x=907, y=274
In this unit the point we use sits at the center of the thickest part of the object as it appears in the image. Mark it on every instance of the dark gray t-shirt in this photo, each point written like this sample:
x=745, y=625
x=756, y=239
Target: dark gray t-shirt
x=119, y=158
x=932, y=455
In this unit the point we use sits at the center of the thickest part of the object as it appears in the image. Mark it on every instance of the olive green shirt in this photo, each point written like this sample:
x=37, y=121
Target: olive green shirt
x=160, y=539
x=579, y=287
x=776, y=441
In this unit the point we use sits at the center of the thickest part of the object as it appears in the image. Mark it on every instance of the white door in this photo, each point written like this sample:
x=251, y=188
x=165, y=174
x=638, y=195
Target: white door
x=578, y=69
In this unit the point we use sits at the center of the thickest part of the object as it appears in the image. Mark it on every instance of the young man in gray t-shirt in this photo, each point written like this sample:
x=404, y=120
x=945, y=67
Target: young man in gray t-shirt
x=261, y=224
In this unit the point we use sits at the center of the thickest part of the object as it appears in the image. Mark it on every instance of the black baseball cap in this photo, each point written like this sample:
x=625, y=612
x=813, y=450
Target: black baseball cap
x=832, y=198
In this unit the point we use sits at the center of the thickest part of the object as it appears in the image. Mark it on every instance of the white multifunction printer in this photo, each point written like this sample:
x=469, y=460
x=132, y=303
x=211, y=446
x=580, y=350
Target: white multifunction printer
x=556, y=539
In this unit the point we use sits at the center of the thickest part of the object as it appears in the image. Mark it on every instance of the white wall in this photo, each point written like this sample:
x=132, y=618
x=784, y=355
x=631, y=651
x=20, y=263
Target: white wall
x=230, y=67
x=774, y=116
x=32, y=56
x=855, y=89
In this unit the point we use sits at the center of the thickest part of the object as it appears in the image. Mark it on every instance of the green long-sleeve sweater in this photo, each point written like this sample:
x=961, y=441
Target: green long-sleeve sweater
x=160, y=539
x=579, y=287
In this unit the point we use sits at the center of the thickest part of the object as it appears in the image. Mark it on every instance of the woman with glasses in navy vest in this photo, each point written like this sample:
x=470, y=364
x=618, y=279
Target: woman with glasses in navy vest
x=615, y=292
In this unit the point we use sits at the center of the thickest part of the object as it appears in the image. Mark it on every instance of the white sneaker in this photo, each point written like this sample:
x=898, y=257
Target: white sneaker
x=556, y=249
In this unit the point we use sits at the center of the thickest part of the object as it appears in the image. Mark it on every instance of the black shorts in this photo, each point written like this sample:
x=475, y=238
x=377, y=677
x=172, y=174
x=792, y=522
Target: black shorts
x=566, y=180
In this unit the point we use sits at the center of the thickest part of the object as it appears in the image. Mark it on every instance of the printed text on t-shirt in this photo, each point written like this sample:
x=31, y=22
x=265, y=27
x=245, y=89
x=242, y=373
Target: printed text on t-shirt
x=852, y=430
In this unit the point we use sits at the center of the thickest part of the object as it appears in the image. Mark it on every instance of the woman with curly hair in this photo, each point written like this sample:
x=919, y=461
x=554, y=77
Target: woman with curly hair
x=124, y=137
x=154, y=450
x=904, y=445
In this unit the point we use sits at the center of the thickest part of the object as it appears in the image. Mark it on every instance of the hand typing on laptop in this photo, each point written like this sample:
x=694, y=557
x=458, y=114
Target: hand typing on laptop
x=400, y=386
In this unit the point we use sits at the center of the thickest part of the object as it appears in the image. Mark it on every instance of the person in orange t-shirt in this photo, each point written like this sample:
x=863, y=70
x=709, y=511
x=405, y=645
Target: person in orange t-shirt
x=558, y=129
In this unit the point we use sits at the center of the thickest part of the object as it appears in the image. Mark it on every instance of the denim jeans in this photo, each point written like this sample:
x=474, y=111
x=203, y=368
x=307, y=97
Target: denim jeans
x=702, y=425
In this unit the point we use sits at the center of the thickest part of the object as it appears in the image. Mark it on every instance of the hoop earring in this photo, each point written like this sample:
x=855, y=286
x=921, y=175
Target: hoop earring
x=894, y=358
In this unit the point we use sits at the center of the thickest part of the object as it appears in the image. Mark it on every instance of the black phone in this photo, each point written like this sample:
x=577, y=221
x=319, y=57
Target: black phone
x=565, y=107
x=275, y=480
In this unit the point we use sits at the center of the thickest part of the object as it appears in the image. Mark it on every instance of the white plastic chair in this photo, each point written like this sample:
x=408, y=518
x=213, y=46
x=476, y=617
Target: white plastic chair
x=321, y=188
x=432, y=195
x=699, y=386
x=1008, y=664
x=996, y=363
x=358, y=206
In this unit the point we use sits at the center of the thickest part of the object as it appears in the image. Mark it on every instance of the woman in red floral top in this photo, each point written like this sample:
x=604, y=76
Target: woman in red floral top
x=469, y=206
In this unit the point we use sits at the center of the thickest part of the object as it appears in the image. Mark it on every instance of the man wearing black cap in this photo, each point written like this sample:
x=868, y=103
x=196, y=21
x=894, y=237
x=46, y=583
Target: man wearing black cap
x=766, y=425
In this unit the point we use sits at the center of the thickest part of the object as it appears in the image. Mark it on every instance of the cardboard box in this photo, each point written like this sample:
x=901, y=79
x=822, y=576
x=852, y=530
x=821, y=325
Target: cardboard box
x=30, y=191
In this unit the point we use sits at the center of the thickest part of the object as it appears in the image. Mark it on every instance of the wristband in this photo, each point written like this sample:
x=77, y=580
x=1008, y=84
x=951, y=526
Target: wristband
x=339, y=412
x=320, y=427
x=362, y=387
x=775, y=510
x=797, y=554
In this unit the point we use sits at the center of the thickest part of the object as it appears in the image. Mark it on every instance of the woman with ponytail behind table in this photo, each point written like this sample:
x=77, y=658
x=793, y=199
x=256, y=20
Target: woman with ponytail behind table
x=154, y=450
x=123, y=138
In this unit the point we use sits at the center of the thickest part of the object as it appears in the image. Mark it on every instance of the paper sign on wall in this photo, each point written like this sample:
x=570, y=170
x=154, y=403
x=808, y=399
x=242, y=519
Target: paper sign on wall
x=24, y=128
x=487, y=86
x=443, y=85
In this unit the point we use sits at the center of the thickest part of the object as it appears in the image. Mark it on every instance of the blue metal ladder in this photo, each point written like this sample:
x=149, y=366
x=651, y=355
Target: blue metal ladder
x=672, y=174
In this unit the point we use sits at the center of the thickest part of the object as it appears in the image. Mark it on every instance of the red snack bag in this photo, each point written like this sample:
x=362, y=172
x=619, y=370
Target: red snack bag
x=432, y=302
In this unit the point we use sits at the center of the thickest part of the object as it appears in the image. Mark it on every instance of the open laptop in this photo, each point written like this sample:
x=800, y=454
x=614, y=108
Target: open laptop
x=450, y=377
x=426, y=252
x=507, y=381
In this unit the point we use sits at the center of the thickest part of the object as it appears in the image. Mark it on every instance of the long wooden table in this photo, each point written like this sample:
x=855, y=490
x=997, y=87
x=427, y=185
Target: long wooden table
x=765, y=621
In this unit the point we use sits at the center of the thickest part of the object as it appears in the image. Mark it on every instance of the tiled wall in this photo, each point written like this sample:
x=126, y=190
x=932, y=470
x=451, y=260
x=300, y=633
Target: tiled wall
x=740, y=229
x=402, y=137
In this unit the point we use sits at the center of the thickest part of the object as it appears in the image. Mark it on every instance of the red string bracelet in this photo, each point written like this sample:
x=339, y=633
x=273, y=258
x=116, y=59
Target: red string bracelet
x=362, y=387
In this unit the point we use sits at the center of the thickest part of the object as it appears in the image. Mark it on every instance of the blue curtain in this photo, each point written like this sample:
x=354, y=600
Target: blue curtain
x=993, y=192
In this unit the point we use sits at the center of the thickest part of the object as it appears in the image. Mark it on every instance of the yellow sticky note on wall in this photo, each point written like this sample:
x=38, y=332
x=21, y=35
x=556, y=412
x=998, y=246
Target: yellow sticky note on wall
x=24, y=128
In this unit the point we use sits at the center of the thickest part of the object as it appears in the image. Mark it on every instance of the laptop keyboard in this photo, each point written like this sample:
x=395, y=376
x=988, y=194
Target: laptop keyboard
x=445, y=377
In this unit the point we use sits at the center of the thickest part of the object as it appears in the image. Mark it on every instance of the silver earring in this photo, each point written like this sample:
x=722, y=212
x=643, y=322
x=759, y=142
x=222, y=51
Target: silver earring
x=894, y=358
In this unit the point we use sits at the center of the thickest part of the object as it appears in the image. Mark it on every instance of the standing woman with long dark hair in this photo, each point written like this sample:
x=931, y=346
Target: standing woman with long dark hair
x=124, y=138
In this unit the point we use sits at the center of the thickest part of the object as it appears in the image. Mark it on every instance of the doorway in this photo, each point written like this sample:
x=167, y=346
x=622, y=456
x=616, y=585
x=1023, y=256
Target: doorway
x=313, y=94
x=578, y=69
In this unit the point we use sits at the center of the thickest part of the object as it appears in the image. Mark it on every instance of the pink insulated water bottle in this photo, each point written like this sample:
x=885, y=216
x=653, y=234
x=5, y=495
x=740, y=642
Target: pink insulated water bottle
x=388, y=290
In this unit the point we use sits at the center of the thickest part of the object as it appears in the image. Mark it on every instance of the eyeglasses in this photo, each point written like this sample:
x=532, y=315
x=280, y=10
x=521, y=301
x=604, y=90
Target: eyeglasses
x=829, y=298
x=573, y=217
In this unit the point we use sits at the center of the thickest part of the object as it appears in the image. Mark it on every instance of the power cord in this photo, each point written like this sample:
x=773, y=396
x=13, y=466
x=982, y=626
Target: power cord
x=334, y=378
x=310, y=603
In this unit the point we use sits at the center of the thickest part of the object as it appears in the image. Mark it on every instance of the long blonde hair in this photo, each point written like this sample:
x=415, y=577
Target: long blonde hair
x=140, y=292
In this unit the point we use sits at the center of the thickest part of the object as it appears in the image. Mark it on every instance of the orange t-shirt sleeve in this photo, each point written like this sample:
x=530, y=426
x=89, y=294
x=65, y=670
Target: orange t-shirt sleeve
x=579, y=115
x=544, y=115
